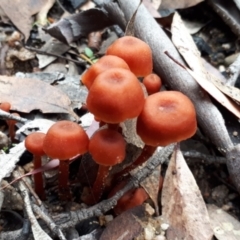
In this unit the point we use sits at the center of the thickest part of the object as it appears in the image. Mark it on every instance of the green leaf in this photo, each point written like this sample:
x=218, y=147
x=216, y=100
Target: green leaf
x=88, y=52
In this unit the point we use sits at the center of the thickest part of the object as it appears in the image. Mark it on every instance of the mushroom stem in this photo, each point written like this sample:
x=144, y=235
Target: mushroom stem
x=64, y=190
x=11, y=126
x=38, y=179
x=99, y=185
x=146, y=153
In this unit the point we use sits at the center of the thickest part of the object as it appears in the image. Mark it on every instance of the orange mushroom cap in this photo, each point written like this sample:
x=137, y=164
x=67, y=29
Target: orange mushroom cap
x=166, y=117
x=153, y=83
x=107, y=147
x=132, y=198
x=34, y=143
x=65, y=139
x=115, y=95
x=136, y=53
x=103, y=64
x=5, y=106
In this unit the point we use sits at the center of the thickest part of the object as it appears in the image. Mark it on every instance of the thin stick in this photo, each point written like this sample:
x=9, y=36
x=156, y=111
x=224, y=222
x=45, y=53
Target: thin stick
x=55, y=55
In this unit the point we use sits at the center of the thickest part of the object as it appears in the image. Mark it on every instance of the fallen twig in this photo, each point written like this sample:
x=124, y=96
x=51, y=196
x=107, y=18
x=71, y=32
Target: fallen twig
x=49, y=222
x=38, y=233
x=8, y=116
x=207, y=158
x=79, y=62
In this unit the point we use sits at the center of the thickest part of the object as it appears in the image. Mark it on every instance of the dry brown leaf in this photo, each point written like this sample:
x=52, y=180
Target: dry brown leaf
x=183, y=207
x=186, y=46
x=174, y=4
x=27, y=94
x=224, y=225
x=151, y=186
x=20, y=13
x=125, y=226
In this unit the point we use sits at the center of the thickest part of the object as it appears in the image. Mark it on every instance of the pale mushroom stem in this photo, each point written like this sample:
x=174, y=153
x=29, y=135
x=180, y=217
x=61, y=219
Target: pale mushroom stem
x=64, y=190
x=38, y=179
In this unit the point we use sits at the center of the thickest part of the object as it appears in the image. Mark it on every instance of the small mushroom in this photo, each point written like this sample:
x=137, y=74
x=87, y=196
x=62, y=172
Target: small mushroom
x=135, y=52
x=64, y=140
x=34, y=144
x=107, y=148
x=115, y=95
x=167, y=117
x=132, y=198
x=153, y=83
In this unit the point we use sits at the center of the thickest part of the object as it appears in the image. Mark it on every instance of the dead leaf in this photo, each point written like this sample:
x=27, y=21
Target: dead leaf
x=224, y=225
x=26, y=95
x=174, y=4
x=151, y=186
x=183, y=207
x=51, y=46
x=20, y=13
x=125, y=226
x=186, y=46
x=79, y=25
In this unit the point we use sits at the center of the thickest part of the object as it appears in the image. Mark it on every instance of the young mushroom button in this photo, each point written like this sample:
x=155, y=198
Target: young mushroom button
x=167, y=117
x=64, y=140
x=115, y=95
x=152, y=83
x=136, y=53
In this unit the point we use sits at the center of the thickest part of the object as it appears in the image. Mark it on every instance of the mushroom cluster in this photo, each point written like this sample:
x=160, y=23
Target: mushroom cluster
x=116, y=94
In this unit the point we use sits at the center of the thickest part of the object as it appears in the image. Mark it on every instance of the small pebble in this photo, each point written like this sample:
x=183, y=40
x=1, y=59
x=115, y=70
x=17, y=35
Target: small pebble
x=164, y=226
x=160, y=237
x=149, y=232
x=235, y=133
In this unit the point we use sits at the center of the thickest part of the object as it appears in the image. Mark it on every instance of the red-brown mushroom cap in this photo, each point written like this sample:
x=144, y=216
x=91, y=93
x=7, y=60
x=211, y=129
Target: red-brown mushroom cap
x=65, y=139
x=107, y=147
x=103, y=64
x=115, y=95
x=5, y=106
x=136, y=53
x=132, y=198
x=34, y=143
x=166, y=117
x=153, y=83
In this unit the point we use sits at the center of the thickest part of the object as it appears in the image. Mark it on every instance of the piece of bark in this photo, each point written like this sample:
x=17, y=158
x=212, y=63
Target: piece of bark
x=209, y=118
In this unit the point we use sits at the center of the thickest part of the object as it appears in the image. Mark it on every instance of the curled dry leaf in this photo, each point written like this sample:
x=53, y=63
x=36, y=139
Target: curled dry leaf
x=224, y=225
x=186, y=46
x=78, y=25
x=26, y=95
x=183, y=207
